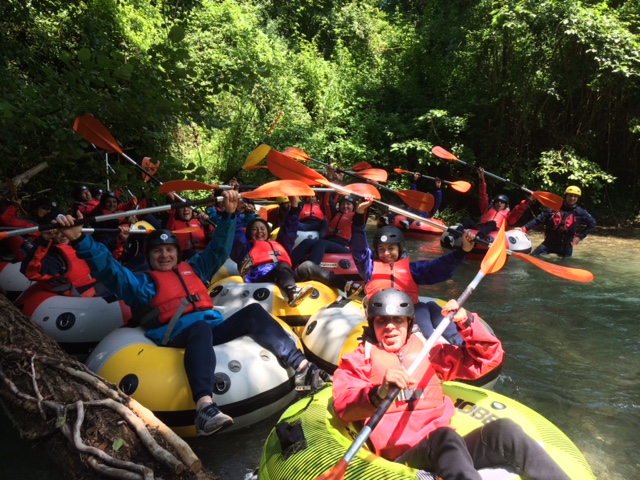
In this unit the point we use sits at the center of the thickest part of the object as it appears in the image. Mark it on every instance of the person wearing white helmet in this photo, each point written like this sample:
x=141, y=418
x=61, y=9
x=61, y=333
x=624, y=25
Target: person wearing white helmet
x=416, y=430
x=565, y=228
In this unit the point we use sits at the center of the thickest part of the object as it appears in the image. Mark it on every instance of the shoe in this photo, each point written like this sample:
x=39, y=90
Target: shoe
x=210, y=420
x=311, y=379
x=353, y=289
x=405, y=224
x=297, y=295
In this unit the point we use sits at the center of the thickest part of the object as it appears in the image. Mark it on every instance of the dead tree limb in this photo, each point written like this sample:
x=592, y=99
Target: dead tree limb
x=100, y=431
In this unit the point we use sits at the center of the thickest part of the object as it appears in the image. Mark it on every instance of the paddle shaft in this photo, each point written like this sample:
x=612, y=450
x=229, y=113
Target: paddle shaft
x=111, y=216
x=393, y=392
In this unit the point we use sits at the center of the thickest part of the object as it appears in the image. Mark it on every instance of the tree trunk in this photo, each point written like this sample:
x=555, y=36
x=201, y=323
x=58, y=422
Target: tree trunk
x=91, y=429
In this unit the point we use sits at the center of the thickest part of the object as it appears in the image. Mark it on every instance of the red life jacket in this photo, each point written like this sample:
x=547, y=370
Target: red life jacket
x=428, y=392
x=268, y=251
x=499, y=216
x=78, y=274
x=564, y=221
x=340, y=225
x=196, y=239
x=311, y=211
x=393, y=275
x=173, y=285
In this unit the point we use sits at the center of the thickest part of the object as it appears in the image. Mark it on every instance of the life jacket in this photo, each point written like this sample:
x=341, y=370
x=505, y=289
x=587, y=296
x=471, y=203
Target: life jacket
x=268, y=251
x=428, y=392
x=498, y=216
x=78, y=274
x=340, y=225
x=393, y=275
x=311, y=211
x=173, y=286
x=86, y=208
x=191, y=240
x=564, y=221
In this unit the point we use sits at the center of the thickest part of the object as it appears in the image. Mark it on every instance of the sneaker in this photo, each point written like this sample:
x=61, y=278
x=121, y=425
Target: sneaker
x=405, y=224
x=311, y=379
x=297, y=295
x=353, y=289
x=210, y=420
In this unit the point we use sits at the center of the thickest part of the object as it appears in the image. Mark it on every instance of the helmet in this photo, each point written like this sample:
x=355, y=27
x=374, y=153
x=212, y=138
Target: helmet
x=573, y=190
x=160, y=237
x=96, y=191
x=78, y=190
x=388, y=234
x=501, y=198
x=46, y=202
x=282, y=200
x=106, y=196
x=348, y=198
x=390, y=302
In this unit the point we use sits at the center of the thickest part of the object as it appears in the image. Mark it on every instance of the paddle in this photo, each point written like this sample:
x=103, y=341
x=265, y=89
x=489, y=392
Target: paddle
x=305, y=174
x=459, y=185
x=258, y=154
x=549, y=200
x=372, y=174
x=117, y=230
x=361, y=166
x=278, y=188
x=283, y=166
x=264, y=191
x=493, y=261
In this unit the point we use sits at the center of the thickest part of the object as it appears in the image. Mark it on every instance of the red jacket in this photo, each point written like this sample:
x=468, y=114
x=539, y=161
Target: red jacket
x=340, y=225
x=401, y=429
x=197, y=239
x=488, y=212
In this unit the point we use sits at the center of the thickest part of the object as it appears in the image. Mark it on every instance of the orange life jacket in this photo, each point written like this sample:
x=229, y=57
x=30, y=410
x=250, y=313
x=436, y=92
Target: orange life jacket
x=173, y=286
x=498, y=216
x=311, y=211
x=268, y=251
x=78, y=274
x=196, y=239
x=340, y=225
x=393, y=275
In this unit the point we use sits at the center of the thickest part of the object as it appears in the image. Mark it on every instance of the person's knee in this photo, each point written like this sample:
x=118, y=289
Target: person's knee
x=304, y=270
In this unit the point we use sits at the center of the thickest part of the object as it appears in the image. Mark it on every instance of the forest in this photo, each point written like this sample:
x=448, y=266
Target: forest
x=545, y=94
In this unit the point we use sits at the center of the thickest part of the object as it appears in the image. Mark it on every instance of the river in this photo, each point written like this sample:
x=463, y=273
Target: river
x=572, y=354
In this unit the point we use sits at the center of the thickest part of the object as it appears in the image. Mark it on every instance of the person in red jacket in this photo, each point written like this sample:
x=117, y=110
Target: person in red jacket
x=83, y=201
x=416, y=429
x=184, y=217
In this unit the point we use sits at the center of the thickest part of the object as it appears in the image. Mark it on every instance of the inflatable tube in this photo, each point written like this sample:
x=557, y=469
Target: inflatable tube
x=416, y=229
x=250, y=384
x=341, y=264
x=328, y=438
x=232, y=292
x=311, y=234
x=12, y=281
x=334, y=331
x=516, y=241
x=76, y=323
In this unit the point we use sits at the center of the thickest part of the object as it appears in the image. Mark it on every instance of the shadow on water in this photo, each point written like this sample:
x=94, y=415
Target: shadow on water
x=572, y=354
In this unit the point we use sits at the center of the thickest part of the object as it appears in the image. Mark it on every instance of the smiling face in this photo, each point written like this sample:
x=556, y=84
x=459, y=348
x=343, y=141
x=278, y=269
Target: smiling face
x=499, y=205
x=163, y=257
x=184, y=213
x=571, y=199
x=110, y=204
x=388, y=252
x=391, y=332
x=258, y=231
x=346, y=206
x=85, y=196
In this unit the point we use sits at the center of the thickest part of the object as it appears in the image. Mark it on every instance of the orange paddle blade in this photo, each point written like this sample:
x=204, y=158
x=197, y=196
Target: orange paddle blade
x=364, y=190
x=336, y=472
x=283, y=166
x=255, y=167
x=460, y=186
x=568, y=273
x=399, y=170
x=496, y=256
x=296, y=154
x=280, y=188
x=94, y=132
x=186, y=230
x=442, y=153
x=257, y=155
x=152, y=168
x=181, y=185
x=549, y=200
x=418, y=200
x=358, y=167
x=374, y=174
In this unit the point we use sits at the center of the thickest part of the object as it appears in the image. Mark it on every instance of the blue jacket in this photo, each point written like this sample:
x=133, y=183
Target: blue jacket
x=424, y=272
x=138, y=289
